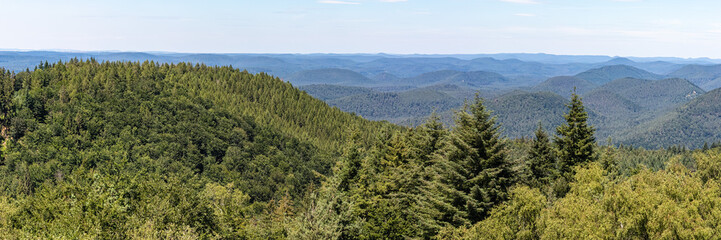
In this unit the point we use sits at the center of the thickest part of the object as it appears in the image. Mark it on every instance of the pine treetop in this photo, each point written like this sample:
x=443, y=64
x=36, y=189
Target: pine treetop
x=575, y=138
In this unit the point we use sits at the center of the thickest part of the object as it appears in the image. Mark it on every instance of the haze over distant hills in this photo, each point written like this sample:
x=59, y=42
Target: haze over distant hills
x=565, y=85
x=627, y=97
x=606, y=74
x=369, y=65
x=706, y=76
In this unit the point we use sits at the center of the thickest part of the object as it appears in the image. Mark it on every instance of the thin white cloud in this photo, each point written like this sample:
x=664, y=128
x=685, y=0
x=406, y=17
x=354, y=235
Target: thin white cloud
x=392, y=1
x=667, y=22
x=338, y=2
x=521, y=1
x=525, y=14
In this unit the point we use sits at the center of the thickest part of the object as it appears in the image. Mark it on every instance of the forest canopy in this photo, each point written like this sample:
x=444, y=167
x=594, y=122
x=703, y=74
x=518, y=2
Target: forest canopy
x=129, y=150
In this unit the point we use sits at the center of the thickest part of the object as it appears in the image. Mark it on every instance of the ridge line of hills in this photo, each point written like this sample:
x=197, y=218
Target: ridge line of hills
x=523, y=69
x=617, y=107
x=624, y=95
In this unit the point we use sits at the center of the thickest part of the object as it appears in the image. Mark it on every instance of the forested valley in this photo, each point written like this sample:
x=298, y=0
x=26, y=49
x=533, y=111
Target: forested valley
x=131, y=150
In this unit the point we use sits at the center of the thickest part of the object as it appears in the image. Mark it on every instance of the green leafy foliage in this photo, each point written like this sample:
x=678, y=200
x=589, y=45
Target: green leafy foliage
x=672, y=203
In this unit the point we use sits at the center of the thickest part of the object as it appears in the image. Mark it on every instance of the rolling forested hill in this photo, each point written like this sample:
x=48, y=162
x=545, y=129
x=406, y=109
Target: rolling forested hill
x=654, y=95
x=627, y=103
x=429, y=78
x=117, y=146
x=611, y=104
x=606, y=74
x=619, y=106
x=385, y=78
x=564, y=86
x=692, y=124
x=474, y=80
x=397, y=106
x=141, y=99
x=707, y=77
x=657, y=67
x=329, y=76
x=408, y=107
x=328, y=92
x=519, y=113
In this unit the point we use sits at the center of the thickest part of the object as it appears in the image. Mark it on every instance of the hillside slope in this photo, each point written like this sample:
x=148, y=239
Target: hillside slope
x=473, y=79
x=329, y=76
x=707, y=77
x=99, y=150
x=653, y=95
x=692, y=125
x=564, y=86
x=519, y=112
x=397, y=107
x=606, y=74
x=328, y=92
x=610, y=104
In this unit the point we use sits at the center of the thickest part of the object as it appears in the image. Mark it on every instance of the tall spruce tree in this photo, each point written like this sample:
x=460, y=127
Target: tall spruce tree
x=433, y=197
x=482, y=171
x=542, y=161
x=575, y=138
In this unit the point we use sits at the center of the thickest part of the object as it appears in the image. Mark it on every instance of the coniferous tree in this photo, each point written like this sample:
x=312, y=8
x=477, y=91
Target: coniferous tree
x=541, y=159
x=481, y=170
x=7, y=89
x=430, y=208
x=428, y=140
x=575, y=138
x=435, y=179
x=350, y=163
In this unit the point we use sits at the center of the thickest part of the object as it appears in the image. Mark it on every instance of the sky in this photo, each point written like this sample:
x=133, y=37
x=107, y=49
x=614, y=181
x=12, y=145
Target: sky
x=643, y=28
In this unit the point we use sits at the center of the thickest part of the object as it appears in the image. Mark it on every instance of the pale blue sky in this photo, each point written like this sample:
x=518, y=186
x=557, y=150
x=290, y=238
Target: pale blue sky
x=606, y=27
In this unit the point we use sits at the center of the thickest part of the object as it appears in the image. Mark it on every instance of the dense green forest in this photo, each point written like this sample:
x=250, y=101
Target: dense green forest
x=121, y=147
x=128, y=150
x=622, y=109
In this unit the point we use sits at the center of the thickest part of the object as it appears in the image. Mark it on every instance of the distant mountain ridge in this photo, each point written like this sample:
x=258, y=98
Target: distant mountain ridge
x=706, y=77
x=606, y=74
x=474, y=79
x=329, y=75
x=523, y=69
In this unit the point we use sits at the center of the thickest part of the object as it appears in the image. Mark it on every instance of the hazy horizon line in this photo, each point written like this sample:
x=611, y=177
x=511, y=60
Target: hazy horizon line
x=343, y=53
